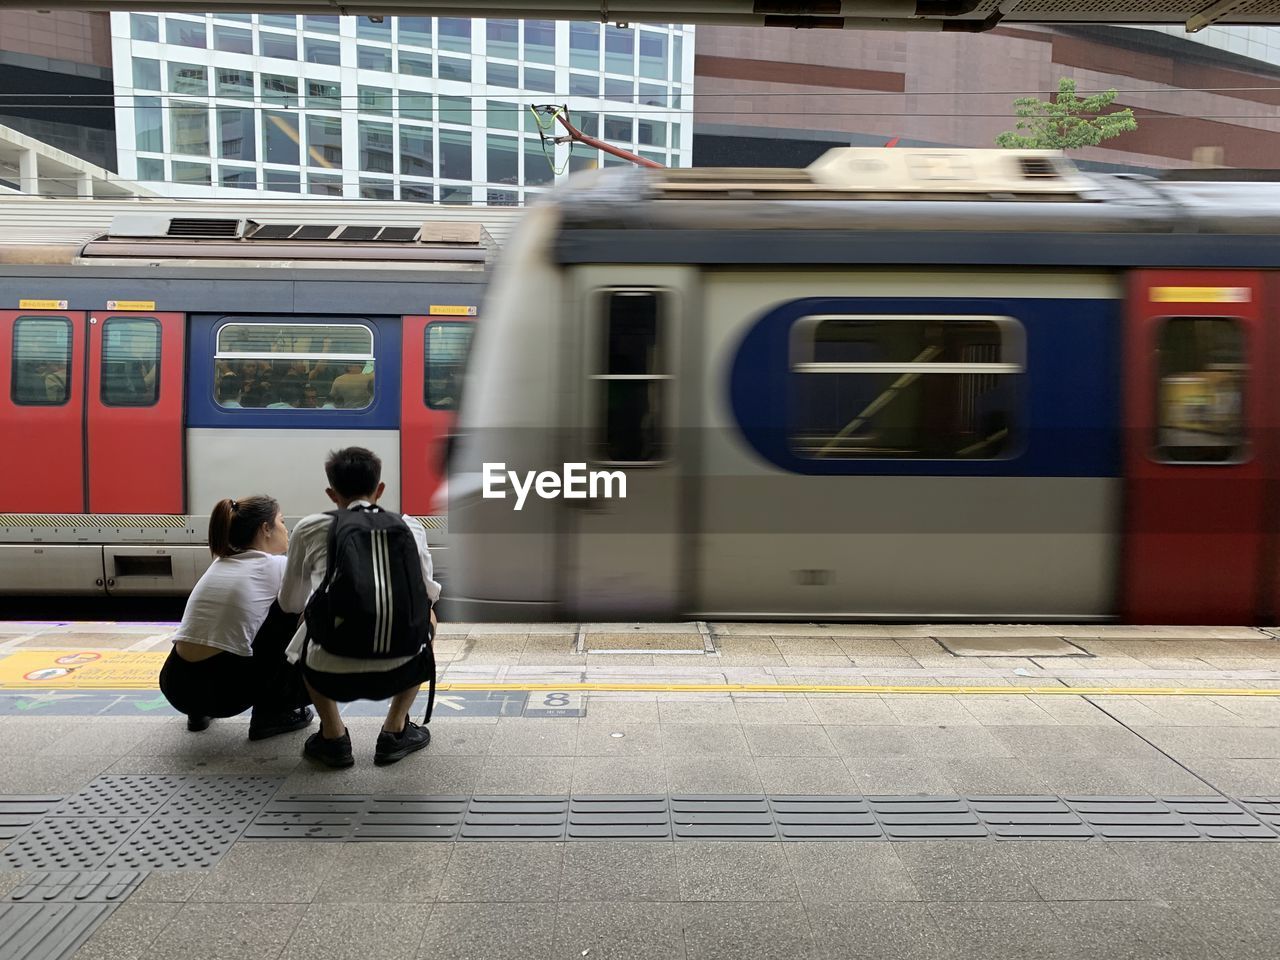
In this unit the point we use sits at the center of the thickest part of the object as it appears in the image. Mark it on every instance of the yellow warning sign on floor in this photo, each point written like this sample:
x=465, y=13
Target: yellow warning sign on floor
x=81, y=670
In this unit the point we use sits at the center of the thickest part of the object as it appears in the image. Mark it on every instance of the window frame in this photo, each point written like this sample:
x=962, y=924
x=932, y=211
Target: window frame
x=461, y=366
x=69, y=327
x=281, y=326
x=1012, y=363
x=159, y=362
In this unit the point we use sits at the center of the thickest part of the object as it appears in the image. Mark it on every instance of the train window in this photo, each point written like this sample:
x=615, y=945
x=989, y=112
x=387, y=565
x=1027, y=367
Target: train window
x=40, y=375
x=908, y=387
x=631, y=378
x=1200, y=391
x=445, y=346
x=294, y=366
x=130, y=362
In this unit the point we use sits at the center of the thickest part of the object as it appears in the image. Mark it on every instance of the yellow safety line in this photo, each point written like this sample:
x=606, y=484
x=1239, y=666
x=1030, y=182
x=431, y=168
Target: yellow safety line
x=1058, y=691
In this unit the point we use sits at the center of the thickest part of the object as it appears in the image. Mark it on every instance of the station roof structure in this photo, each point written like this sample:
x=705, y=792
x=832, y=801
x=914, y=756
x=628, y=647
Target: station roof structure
x=965, y=16
x=29, y=166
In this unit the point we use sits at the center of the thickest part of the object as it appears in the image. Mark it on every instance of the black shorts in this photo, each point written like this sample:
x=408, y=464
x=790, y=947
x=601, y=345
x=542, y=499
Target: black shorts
x=372, y=685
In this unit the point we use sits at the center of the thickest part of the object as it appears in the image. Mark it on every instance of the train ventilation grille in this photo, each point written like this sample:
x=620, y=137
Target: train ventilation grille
x=206, y=229
x=1039, y=168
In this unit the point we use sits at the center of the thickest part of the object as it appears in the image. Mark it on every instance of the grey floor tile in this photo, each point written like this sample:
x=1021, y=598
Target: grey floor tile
x=1201, y=871
x=1071, y=711
x=931, y=710
x=736, y=931
x=992, y=710
x=859, y=710
x=618, y=931
x=606, y=775
x=1132, y=931
x=875, y=931
x=708, y=774
x=1059, y=741
x=1240, y=931
x=1075, y=871
x=788, y=740
x=734, y=870
x=358, y=931
x=267, y=871
x=703, y=710
x=1239, y=778
x=540, y=776
x=50, y=775
x=703, y=739
x=168, y=886
x=619, y=870
x=459, y=739
x=958, y=870
x=488, y=931
x=977, y=776
x=915, y=741
x=895, y=776
x=379, y=872
x=805, y=775
x=517, y=737
x=596, y=739
x=420, y=773
x=128, y=932
x=227, y=931
x=102, y=736
x=849, y=872
x=602, y=708
x=1003, y=931
x=1068, y=776
x=503, y=871
x=788, y=709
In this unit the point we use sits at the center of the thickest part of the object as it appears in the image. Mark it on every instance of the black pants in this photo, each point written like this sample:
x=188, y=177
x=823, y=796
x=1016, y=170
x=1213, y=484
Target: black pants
x=226, y=684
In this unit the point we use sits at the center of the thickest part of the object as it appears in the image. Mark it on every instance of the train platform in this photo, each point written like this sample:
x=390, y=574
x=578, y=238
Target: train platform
x=690, y=790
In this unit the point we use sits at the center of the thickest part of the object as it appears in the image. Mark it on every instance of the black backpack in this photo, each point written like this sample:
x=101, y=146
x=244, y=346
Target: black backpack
x=372, y=603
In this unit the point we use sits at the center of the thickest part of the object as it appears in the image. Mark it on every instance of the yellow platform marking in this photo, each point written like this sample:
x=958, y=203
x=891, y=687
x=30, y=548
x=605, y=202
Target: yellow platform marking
x=125, y=670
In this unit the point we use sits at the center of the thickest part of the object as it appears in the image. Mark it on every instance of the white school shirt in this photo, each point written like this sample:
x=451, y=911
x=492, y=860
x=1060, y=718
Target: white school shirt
x=231, y=601
x=308, y=560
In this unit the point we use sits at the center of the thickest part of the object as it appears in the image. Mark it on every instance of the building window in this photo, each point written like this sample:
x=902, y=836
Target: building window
x=414, y=64
x=589, y=123
x=280, y=138
x=40, y=375
x=414, y=30
x=582, y=85
x=502, y=116
x=377, y=189
x=416, y=153
x=320, y=24
x=283, y=21
x=189, y=123
x=652, y=133
x=583, y=158
x=502, y=75
x=188, y=78
x=377, y=147
x=278, y=46
x=453, y=69
x=416, y=106
x=322, y=95
x=539, y=81
x=504, y=160
x=537, y=163
x=584, y=46
x=455, y=34
x=618, y=128
x=653, y=55
x=324, y=185
x=619, y=49
x=236, y=134
x=284, y=181
x=185, y=33
x=146, y=74
x=445, y=347
x=1200, y=401
x=503, y=39
x=455, y=154
x=322, y=51
x=278, y=90
x=243, y=178
x=456, y=195
x=324, y=142
x=144, y=27
x=367, y=29
x=375, y=100
x=904, y=387
x=630, y=378
x=677, y=59
x=373, y=58
x=417, y=192
x=193, y=173
x=455, y=110
x=150, y=169
x=620, y=90
x=148, y=121
x=294, y=366
x=131, y=358
x=540, y=41
x=232, y=40
x=502, y=198
x=234, y=83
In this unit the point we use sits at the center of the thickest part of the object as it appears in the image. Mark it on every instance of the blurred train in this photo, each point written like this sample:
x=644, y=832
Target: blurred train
x=899, y=384
x=156, y=356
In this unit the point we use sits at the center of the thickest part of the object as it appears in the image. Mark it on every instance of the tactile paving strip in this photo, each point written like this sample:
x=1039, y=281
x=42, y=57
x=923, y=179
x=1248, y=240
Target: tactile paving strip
x=69, y=843
x=45, y=931
x=220, y=797
x=76, y=886
x=180, y=843
x=120, y=796
x=359, y=817
x=19, y=814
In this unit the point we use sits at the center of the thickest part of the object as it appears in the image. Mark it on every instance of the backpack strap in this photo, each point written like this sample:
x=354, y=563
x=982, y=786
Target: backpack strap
x=331, y=546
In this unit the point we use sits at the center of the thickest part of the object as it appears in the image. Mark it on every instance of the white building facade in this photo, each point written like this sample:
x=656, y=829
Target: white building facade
x=433, y=109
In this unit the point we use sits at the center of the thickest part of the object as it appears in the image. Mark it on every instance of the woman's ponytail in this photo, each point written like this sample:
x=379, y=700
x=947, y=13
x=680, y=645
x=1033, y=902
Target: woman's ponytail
x=234, y=523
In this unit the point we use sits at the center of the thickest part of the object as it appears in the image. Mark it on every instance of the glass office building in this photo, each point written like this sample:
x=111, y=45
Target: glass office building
x=409, y=108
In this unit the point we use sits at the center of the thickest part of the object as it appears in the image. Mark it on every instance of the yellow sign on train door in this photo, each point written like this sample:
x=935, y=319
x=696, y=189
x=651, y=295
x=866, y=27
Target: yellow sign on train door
x=131, y=304
x=42, y=304
x=451, y=311
x=1201, y=294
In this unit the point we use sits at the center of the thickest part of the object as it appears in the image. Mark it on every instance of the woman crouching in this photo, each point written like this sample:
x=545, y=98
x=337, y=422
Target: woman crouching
x=228, y=653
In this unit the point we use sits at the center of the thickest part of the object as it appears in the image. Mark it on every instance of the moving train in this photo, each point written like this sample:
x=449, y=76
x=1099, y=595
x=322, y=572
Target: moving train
x=897, y=385
x=156, y=356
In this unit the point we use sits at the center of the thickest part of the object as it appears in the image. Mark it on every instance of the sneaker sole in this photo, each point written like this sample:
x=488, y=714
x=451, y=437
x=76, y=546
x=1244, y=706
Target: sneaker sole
x=335, y=763
x=276, y=731
x=382, y=760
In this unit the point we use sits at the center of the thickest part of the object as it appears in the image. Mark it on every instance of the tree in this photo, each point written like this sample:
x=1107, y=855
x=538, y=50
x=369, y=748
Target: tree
x=1066, y=122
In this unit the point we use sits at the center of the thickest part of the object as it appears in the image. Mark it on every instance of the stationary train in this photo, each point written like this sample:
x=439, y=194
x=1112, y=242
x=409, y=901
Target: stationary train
x=156, y=356
x=897, y=385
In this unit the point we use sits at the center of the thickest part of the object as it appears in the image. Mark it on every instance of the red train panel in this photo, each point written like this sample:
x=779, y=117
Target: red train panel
x=434, y=350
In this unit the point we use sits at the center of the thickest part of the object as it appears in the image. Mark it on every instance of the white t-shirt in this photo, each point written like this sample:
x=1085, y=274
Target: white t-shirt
x=231, y=601
x=308, y=560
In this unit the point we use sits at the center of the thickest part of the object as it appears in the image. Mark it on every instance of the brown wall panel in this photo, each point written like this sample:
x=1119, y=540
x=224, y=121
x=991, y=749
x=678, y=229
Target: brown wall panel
x=814, y=75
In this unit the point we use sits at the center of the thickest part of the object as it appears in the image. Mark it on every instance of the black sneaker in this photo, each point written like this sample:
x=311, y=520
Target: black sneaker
x=274, y=724
x=332, y=753
x=195, y=724
x=396, y=746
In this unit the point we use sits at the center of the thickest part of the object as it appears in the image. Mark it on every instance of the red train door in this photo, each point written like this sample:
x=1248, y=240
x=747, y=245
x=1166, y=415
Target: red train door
x=42, y=411
x=134, y=413
x=434, y=351
x=1196, y=411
